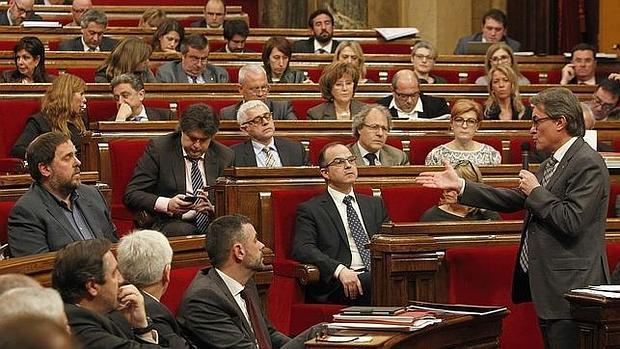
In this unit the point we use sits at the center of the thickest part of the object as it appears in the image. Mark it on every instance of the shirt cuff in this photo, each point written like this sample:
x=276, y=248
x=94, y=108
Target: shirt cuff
x=338, y=270
x=462, y=186
x=161, y=204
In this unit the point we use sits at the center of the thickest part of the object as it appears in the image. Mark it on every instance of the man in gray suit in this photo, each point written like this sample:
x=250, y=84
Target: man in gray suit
x=128, y=91
x=19, y=11
x=193, y=67
x=57, y=209
x=263, y=149
x=253, y=85
x=563, y=239
x=93, y=24
x=221, y=307
x=370, y=127
x=494, y=29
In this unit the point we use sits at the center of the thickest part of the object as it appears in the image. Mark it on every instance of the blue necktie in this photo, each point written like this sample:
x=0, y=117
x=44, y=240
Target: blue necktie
x=357, y=230
x=202, y=219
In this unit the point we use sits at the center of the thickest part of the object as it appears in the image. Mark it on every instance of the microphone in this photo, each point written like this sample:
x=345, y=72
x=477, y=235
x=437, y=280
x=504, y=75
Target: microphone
x=525, y=161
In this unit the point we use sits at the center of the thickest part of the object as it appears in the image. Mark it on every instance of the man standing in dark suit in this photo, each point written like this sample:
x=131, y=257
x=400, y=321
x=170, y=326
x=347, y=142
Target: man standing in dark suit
x=221, y=308
x=321, y=23
x=86, y=276
x=144, y=260
x=253, y=85
x=57, y=209
x=93, y=24
x=19, y=11
x=494, y=29
x=128, y=91
x=332, y=230
x=563, y=240
x=408, y=103
x=263, y=149
x=168, y=190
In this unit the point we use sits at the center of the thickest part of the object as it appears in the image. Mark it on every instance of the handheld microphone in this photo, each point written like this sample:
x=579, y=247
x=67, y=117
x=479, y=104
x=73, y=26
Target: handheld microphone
x=525, y=150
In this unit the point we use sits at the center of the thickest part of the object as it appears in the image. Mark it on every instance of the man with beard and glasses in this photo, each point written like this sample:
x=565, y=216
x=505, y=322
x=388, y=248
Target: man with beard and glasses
x=57, y=209
x=321, y=24
x=221, y=307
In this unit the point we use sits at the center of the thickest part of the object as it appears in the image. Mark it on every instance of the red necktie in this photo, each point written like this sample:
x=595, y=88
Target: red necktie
x=253, y=311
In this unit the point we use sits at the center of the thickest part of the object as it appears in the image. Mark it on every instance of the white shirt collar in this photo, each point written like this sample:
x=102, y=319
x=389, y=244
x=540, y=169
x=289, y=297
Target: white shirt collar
x=141, y=115
x=258, y=147
x=337, y=196
x=559, y=154
x=233, y=285
x=327, y=48
x=8, y=15
x=418, y=108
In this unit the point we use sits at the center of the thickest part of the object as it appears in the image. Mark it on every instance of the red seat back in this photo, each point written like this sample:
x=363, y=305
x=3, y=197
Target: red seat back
x=101, y=110
x=317, y=144
x=407, y=204
x=86, y=73
x=13, y=116
x=420, y=147
x=216, y=105
x=301, y=106
x=515, y=149
x=124, y=155
x=180, y=279
x=5, y=210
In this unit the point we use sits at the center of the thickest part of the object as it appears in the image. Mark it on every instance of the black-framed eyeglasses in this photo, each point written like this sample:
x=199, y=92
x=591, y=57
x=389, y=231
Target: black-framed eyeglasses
x=605, y=106
x=376, y=127
x=462, y=121
x=340, y=162
x=467, y=163
x=260, y=119
x=536, y=120
x=405, y=96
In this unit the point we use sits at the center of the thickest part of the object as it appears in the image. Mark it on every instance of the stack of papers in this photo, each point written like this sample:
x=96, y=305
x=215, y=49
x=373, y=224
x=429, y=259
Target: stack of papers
x=418, y=324
x=41, y=24
x=382, y=319
x=607, y=291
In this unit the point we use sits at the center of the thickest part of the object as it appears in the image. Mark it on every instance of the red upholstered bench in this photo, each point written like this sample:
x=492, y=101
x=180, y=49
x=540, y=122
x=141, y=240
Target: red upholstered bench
x=215, y=104
x=180, y=278
x=420, y=147
x=13, y=116
x=407, y=204
x=301, y=106
x=86, y=73
x=317, y=144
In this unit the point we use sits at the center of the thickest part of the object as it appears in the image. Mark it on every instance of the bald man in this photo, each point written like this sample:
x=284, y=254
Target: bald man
x=78, y=7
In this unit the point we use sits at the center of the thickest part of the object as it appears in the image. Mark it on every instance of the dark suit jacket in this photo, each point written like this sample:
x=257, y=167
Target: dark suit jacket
x=433, y=106
x=37, y=125
x=461, y=46
x=75, y=44
x=327, y=111
x=291, y=153
x=4, y=19
x=173, y=72
x=574, y=80
x=156, y=114
x=321, y=239
x=161, y=171
x=388, y=156
x=37, y=223
x=95, y=331
x=290, y=76
x=566, y=229
x=223, y=49
x=211, y=318
x=102, y=77
x=281, y=110
x=15, y=77
x=307, y=45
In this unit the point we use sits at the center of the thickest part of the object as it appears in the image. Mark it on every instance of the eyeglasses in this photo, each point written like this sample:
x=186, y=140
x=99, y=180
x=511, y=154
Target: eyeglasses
x=605, y=106
x=23, y=10
x=340, y=162
x=536, y=120
x=423, y=57
x=502, y=58
x=266, y=117
x=376, y=127
x=463, y=121
x=404, y=96
x=258, y=89
x=201, y=60
x=467, y=163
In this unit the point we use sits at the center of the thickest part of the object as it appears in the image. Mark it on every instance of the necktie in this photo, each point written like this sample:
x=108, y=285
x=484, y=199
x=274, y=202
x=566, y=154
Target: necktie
x=321, y=50
x=359, y=235
x=202, y=219
x=547, y=173
x=259, y=331
x=372, y=158
x=194, y=79
x=270, y=161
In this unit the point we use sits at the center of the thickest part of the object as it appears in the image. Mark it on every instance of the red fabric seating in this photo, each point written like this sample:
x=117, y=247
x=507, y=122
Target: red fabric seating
x=407, y=204
x=420, y=147
x=180, y=278
x=301, y=106
x=124, y=155
x=86, y=73
x=484, y=276
x=317, y=143
x=515, y=149
x=101, y=110
x=13, y=116
x=216, y=105
x=451, y=76
x=5, y=209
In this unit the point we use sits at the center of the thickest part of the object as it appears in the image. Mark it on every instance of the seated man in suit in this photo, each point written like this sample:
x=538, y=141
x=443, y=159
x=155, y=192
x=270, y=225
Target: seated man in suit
x=214, y=15
x=321, y=23
x=494, y=29
x=19, y=11
x=370, y=128
x=78, y=7
x=87, y=277
x=93, y=23
x=582, y=68
x=144, y=259
x=194, y=67
x=221, y=307
x=57, y=209
x=332, y=230
x=236, y=31
x=128, y=91
x=408, y=103
x=606, y=98
x=263, y=149
x=168, y=189
x=253, y=85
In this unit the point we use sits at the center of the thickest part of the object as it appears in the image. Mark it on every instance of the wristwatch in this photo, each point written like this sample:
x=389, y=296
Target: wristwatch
x=144, y=330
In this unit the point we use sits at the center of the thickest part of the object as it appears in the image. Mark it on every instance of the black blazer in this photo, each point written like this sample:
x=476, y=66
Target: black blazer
x=15, y=77
x=320, y=236
x=37, y=125
x=4, y=19
x=75, y=44
x=291, y=153
x=307, y=45
x=155, y=114
x=433, y=106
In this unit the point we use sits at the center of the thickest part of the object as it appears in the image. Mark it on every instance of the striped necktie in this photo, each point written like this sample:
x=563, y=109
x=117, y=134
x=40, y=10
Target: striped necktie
x=270, y=160
x=202, y=219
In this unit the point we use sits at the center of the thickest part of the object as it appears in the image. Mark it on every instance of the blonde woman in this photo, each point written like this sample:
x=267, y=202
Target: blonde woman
x=500, y=54
x=61, y=111
x=504, y=102
x=351, y=52
x=130, y=56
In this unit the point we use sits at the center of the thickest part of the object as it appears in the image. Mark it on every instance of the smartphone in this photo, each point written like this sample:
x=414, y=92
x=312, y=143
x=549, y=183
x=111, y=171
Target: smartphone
x=190, y=199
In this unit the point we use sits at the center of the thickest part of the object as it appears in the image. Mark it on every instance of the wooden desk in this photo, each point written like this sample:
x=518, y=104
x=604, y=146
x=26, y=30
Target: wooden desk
x=598, y=319
x=461, y=331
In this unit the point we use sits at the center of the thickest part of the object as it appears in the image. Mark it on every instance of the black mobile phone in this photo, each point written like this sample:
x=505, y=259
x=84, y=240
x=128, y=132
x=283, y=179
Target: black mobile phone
x=190, y=199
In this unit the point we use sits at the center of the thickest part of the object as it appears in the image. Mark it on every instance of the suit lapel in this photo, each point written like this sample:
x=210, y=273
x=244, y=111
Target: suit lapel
x=213, y=275
x=56, y=212
x=248, y=154
x=366, y=211
x=211, y=166
x=355, y=150
x=565, y=160
x=178, y=167
x=284, y=156
x=332, y=211
x=180, y=74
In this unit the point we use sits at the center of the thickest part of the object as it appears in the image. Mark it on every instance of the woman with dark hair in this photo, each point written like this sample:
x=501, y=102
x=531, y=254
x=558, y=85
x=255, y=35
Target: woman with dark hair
x=131, y=55
x=504, y=102
x=338, y=84
x=62, y=107
x=168, y=36
x=277, y=53
x=29, y=56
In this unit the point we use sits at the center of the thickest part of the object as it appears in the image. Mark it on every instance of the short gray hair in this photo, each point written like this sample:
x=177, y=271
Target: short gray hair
x=93, y=15
x=128, y=78
x=245, y=107
x=14, y=280
x=360, y=118
x=142, y=257
x=40, y=301
x=250, y=68
x=560, y=102
x=424, y=44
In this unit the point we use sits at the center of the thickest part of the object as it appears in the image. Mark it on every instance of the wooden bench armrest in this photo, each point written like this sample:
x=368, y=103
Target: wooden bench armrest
x=307, y=274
